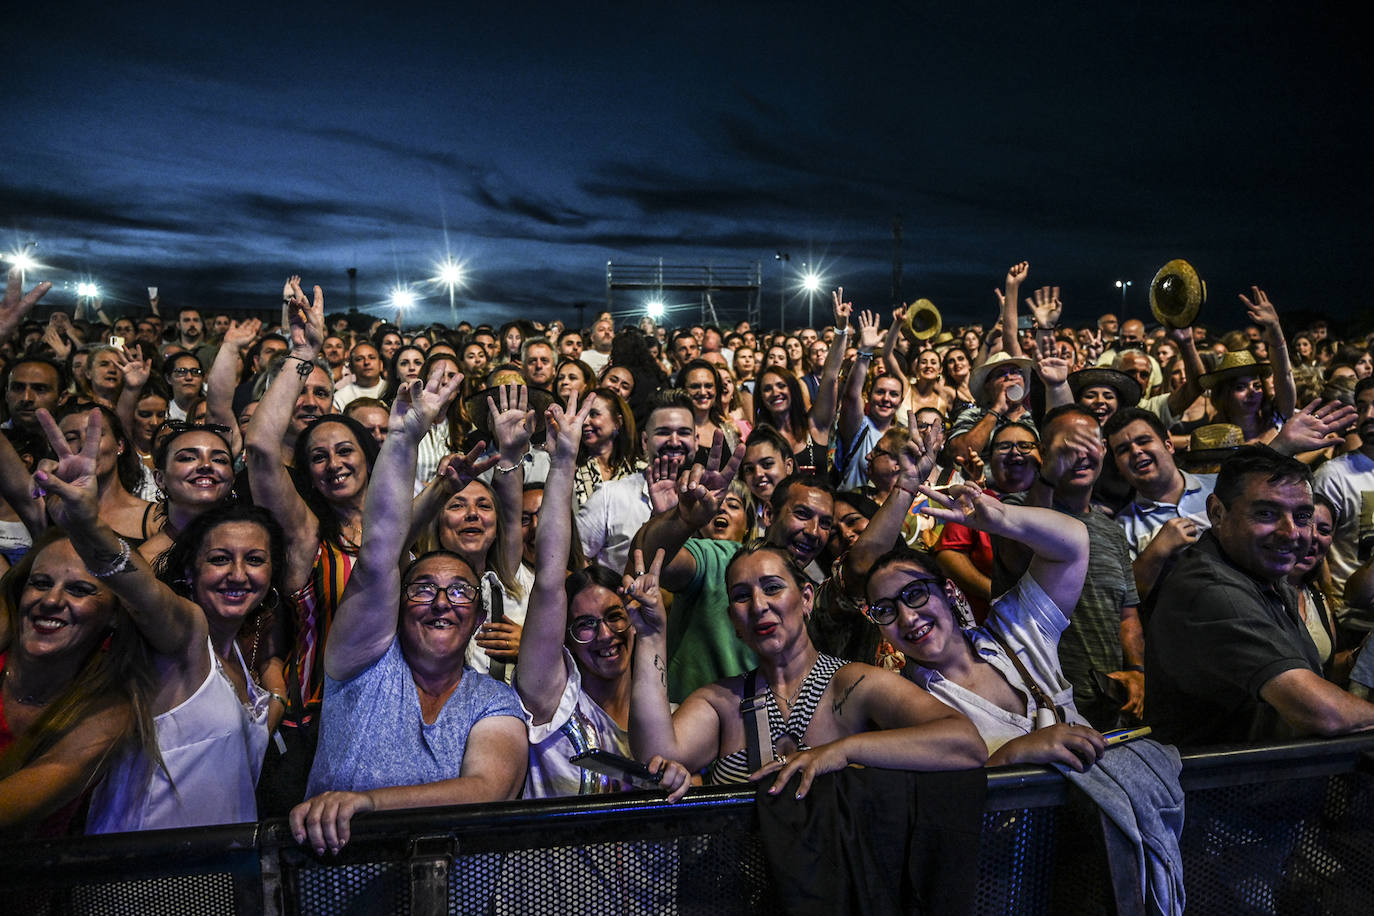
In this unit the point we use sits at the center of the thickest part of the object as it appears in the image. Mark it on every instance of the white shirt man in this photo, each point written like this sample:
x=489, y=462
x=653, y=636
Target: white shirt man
x=609, y=519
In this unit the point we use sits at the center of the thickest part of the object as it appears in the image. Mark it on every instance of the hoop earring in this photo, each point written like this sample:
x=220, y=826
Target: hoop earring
x=270, y=601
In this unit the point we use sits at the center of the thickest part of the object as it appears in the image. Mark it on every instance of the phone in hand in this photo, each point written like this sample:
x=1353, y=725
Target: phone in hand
x=117, y=342
x=617, y=767
x=1122, y=735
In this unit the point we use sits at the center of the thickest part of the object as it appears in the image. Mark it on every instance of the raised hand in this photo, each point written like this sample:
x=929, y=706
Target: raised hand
x=71, y=485
x=966, y=505
x=241, y=334
x=457, y=471
x=917, y=457
x=1315, y=426
x=419, y=404
x=1052, y=370
x=662, y=476
x=306, y=317
x=701, y=488
x=843, y=309
x=1017, y=273
x=869, y=338
x=136, y=371
x=1260, y=310
x=642, y=596
x=17, y=304
x=1045, y=306
x=971, y=467
x=565, y=429
x=512, y=421
x=52, y=339
x=1063, y=454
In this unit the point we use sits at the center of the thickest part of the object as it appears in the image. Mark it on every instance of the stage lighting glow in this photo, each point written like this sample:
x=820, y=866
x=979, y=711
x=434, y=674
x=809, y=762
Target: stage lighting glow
x=402, y=298
x=87, y=290
x=811, y=282
x=655, y=309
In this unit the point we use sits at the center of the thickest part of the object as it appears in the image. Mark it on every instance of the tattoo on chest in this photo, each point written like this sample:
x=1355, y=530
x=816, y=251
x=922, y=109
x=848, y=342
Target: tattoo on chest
x=838, y=704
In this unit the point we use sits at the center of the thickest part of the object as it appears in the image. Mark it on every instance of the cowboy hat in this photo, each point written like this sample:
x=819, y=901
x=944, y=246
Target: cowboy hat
x=1127, y=389
x=980, y=375
x=1235, y=364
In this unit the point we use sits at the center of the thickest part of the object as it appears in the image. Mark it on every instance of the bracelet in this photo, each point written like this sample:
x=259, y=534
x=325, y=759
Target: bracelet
x=998, y=414
x=865, y=354
x=273, y=695
x=1053, y=327
x=122, y=563
x=916, y=494
x=306, y=366
x=519, y=463
x=1139, y=669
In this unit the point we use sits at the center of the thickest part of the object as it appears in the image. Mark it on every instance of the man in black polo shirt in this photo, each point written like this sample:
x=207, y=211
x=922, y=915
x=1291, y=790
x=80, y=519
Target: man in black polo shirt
x=1227, y=656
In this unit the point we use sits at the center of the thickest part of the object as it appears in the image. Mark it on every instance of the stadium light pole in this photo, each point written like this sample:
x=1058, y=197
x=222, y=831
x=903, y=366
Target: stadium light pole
x=811, y=282
x=1122, y=285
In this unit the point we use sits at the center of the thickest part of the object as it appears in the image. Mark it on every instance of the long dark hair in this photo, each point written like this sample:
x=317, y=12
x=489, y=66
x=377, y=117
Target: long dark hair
x=330, y=528
x=626, y=446
x=796, y=411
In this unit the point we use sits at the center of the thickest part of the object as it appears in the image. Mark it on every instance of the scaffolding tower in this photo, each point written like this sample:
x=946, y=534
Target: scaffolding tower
x=702, y=280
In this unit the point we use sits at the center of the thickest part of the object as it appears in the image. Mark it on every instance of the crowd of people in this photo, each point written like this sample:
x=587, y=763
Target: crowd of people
x=321, y=565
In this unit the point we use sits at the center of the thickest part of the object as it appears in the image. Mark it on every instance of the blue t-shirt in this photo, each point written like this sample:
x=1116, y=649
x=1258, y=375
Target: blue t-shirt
x=372, y=734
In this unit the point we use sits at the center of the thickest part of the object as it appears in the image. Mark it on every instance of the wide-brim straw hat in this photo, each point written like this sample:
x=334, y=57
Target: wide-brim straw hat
x=1213, y=443
x=1127, y=389
x=980, y=374
x=1235, y=364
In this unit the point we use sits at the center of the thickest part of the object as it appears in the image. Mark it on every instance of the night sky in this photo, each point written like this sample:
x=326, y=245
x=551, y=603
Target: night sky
x=212, y=151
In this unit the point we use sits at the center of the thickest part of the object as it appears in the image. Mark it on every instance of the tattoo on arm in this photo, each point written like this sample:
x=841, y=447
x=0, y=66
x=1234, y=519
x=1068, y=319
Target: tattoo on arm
x=838, y=705
x=662, y=669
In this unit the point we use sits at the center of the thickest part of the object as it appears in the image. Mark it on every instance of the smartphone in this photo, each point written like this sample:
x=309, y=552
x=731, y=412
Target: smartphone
x=117, y=342
x=1122, y=735
x=617, y=767
x=1025, y=322
x=152, y=293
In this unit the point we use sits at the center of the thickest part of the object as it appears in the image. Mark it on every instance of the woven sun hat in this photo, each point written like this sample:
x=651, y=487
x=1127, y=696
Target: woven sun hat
x=1127, y=389
x=1212, y=444
x=980, y=375
x=1235, y=364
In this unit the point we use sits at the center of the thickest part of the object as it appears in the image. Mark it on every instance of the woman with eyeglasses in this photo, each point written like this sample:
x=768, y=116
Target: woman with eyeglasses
x=1005, y=675
x=574, y=675
x=405, y=723
x=811, y=713
x=965, y=554
x=185, y=378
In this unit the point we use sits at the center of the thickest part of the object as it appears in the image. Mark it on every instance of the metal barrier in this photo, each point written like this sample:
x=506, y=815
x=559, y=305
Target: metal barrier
x=1277, y=829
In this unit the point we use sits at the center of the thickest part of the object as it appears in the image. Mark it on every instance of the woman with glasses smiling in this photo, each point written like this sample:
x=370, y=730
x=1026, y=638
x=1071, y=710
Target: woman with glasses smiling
x=1005, y=675
x=405, y=724
x=574, y=674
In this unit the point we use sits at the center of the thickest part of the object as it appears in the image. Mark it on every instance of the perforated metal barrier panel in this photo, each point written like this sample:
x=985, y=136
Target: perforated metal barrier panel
x=1298, y=839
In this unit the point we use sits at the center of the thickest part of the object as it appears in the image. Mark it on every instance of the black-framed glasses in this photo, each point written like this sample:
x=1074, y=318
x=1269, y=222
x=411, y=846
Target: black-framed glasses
x=184, y=371
x=1004, y=448
x=914, y=595
x=584, y=629
x=428, y=592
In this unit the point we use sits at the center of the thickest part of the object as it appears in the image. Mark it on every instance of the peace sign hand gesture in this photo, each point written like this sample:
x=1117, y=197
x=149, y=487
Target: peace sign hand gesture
x=71, y=486
x=642, y=596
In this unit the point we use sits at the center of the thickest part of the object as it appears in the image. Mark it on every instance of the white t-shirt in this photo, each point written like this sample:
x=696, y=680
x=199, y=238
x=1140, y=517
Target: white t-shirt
x=1348, y=481
x=579, y=724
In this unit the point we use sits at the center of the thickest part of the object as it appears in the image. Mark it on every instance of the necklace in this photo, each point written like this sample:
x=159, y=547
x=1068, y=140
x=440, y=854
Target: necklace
x=26, y=699
x=789, y=703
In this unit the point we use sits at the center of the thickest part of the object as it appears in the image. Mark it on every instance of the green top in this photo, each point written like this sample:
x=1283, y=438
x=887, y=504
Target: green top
x=702, y=646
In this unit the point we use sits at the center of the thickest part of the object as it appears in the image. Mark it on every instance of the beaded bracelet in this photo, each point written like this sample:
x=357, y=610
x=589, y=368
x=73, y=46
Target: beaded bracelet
x=122, y=563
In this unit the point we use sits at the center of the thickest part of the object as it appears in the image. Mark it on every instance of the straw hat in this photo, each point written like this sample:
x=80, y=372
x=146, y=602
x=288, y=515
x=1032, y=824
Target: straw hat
x=1235, y=364
x=1214, y=443
x=980, y=374
x=1127, y=389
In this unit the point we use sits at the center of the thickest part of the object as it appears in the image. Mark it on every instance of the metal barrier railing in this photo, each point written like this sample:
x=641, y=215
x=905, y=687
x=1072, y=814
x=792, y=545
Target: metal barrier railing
x=1273, y=829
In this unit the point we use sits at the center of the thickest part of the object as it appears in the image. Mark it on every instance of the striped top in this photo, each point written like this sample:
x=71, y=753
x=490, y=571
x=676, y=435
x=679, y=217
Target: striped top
x=312, y=609
x=734, y=767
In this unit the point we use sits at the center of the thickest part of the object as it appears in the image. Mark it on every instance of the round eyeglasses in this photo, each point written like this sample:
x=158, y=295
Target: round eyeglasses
x=914, y=595
x=428, y=592
x=584, y=629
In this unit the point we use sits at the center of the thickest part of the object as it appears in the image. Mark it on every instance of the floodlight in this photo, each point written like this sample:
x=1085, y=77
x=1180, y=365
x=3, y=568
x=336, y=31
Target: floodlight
x=811, y=281
x=402, y=298
x=451, y=274
x=655, y=308
x=87, y=290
